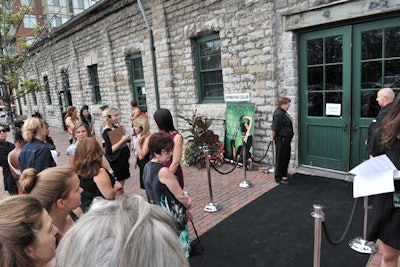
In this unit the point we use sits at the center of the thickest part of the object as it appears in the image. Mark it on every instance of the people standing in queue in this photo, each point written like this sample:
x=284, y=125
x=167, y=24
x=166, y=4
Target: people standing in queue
x=71, y=119
x=87, y=118
x=14, y=154
x=142, y=129
x=10, y=184
x=282, y=133
x=35, y=153
x=117, y=154
x=385, y=214
x=165, y=123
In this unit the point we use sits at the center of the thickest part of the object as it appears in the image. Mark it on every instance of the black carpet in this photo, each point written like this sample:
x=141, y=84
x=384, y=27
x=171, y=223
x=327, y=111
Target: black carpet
x=277, y=229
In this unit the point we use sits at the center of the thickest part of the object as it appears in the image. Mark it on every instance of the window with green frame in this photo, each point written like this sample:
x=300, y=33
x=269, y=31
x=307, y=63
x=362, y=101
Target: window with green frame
x=94, y=79
x=137, y=79
x=208, y=68
x=47, y=88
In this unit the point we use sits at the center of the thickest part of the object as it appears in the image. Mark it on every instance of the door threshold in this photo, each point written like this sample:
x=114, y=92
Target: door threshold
x=317, y=171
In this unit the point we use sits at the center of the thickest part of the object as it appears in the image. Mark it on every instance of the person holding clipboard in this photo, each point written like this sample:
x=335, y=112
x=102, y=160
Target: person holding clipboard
x=116, y=141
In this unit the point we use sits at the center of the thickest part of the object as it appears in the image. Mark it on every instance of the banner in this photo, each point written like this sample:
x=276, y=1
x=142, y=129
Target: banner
x=239, y=123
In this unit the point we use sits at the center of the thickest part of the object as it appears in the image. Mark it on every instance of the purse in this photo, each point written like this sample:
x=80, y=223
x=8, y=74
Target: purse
x=196, y=247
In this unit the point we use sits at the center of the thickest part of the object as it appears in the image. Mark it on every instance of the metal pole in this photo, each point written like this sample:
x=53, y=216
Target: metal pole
x=272, y=169
x=212, y=206
x=319, y=216
x=244, y=183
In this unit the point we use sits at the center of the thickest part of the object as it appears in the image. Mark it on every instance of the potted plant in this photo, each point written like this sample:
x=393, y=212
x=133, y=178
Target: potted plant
x=199, y=137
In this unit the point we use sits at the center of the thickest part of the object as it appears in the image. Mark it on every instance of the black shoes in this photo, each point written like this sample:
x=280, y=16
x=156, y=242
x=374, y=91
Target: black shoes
x=281, y=181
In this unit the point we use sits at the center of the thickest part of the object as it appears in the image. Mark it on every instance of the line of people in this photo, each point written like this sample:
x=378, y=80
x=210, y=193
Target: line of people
x=67, y=195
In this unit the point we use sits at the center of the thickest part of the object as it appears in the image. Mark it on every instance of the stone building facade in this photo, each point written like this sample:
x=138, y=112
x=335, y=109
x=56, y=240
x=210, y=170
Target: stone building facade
x=259, y=56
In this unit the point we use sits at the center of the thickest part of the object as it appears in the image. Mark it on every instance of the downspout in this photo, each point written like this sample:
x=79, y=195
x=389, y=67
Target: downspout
x=153, y=56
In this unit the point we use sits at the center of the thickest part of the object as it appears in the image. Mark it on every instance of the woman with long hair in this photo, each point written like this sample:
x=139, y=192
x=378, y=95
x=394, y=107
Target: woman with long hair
x=385, y=215
x=142, y=129
x=58, y=191
x=165, y=123
x=27, y=234
x=95, y=180
x=163, y=188
x=86, y=118
x=80, y=132
x=70, y=119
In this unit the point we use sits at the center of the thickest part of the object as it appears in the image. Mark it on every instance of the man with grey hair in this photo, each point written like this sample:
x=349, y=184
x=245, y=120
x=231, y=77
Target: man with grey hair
x=385, y=98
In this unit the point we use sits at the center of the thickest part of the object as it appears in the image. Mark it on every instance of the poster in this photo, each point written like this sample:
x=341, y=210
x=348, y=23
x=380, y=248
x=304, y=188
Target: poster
x=239, y=121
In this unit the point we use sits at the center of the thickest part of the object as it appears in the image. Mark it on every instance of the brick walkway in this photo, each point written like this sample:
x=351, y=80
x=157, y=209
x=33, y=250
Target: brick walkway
x=225, y=188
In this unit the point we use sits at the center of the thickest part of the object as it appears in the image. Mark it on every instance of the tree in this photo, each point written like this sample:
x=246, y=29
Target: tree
x=12, y=60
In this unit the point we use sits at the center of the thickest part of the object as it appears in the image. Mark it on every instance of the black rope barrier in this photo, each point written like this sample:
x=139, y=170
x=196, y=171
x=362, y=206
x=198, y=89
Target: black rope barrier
x=222, y=172
x=266, y=152
x=337, y=242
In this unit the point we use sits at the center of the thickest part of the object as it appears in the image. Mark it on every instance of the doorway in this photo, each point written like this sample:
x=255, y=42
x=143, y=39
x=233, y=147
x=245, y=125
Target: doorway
x=340, y=72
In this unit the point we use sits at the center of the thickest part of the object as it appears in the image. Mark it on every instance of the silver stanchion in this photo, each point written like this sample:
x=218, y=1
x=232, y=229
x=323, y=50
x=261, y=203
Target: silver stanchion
x=272, y=169
x=244, y=183
x=361, y=244
x=211, y=206
x=319, y=216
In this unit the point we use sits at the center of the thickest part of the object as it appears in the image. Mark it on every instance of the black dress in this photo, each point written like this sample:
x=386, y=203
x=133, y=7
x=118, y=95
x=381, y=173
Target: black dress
x=384, y=222
x=119, y=160
x=141, y=163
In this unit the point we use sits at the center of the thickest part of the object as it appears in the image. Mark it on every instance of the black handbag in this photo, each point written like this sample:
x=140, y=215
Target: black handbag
x=196, y=248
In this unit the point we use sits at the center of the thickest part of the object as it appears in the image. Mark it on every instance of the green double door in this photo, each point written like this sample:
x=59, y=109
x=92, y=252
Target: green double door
x=340, y=71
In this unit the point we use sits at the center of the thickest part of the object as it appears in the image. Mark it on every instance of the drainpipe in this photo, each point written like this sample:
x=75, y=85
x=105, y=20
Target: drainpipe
x=153, y=56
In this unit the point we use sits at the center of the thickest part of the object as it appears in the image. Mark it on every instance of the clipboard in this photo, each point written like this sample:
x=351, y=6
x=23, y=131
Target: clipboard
x=116, y=135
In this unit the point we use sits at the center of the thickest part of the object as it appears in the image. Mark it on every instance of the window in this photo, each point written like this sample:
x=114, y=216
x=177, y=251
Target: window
x=137, y=78
x=66, y=89
x=47, y=89
x=94, y=80
x=30, y=21
x=208, y=68
x=34, y=99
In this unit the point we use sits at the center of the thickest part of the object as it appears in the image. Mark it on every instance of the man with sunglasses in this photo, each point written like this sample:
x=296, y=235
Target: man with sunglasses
x=10, y=184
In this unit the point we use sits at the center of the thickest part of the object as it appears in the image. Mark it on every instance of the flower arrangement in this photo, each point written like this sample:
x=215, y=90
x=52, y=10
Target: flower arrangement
x=200, y=136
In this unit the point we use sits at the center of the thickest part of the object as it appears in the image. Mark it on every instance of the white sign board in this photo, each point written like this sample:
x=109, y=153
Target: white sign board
x=333, y=109
x=237, y=97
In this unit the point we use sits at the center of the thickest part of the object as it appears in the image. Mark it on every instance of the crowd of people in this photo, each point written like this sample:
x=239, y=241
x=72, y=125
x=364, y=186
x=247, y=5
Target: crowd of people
x=78, y=214
x=63, y=207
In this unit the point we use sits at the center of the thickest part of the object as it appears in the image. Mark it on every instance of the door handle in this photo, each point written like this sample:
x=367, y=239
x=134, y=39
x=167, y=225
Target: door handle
x=354, y=126
x=344, y=127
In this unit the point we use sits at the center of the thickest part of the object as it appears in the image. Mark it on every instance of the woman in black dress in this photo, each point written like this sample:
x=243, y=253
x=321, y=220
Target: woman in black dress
x=117, y=153
x=142, y=130
x=385, y=215
x=282, y=134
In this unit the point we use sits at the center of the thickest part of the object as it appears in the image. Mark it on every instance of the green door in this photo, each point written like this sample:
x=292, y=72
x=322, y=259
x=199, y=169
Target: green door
x=340, y=72
x=325, y=96
x=376, y=64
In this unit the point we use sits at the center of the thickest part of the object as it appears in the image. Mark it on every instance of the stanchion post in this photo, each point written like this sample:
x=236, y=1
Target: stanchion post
x=244, y=183
x=319, y=216
x=212, y=206
x=272, y=169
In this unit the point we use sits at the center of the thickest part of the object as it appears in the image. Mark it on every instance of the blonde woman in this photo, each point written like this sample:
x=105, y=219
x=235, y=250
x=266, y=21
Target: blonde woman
x=118, y=153
x=58, y=190
x=35, y=153
x=142, y=129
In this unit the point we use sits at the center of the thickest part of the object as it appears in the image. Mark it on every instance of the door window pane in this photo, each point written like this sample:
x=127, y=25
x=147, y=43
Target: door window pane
x=315, y=78
x=371, y=72
x=333, y=47
x=334, y=77
x=371, y=45
x=392, y=42
x=315, y=104
x=369, y=105
x=314, y=51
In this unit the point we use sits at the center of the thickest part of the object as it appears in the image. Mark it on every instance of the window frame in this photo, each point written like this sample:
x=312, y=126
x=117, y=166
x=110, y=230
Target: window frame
x=94, y=82
x=200, y=71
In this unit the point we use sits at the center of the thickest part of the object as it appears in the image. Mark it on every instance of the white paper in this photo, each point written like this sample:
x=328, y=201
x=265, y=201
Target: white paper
x=374, y=176
x=54, y=155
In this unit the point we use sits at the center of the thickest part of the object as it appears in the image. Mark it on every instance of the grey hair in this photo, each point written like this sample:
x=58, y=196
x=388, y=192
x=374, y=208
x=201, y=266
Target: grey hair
x=127, y=231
